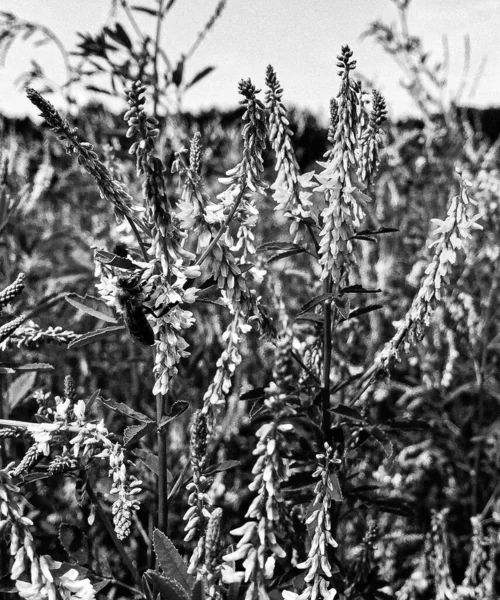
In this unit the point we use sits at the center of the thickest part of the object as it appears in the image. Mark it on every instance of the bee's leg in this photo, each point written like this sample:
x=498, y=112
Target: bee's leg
x=163, y=311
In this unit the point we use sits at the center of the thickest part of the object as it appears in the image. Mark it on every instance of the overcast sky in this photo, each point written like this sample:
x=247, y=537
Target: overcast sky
x=300, y=38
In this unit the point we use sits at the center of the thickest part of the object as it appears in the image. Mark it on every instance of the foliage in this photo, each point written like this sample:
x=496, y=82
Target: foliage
x=228, y=373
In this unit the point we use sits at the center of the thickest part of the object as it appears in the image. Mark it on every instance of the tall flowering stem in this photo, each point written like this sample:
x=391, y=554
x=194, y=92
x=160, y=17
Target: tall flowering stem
x=371, y=139
x=319, y=569
x=453, y=234
x=344, y=208
x=200, y=505
x=261, y=536
x=214, y=400
x=201, y=216
x=339, y=182
x=168, y=276
x=291, y=189
x=110, y=189
x=235, y=201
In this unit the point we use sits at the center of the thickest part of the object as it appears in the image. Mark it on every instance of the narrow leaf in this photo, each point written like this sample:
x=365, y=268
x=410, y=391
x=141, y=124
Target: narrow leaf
x=92, y=306
x=311, y=317
x=223, y=466
x=314, y=302
x=284, y=255
x=254, y=394
x=19, y=388
x=126, y=410
x=279, y=246
x=113, y=260
x=199, y=76
x=357, y=312
x=336, y=491
x=347, y=412
x=358, y=289
x=407, y=424
x=198, y=592
x=148, y=11
x=148, y=458
x=95, y=336
x=35, y=367
x=379, y=231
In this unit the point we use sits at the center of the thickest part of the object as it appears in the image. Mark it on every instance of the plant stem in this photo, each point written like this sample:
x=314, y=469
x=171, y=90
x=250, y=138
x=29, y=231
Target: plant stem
x=224, y=225
x=138, y=238
x=327, y=359
x=156, y=92
x=162, y=467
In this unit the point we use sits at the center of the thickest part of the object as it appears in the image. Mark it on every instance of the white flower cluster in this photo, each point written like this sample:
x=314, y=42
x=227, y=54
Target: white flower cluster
x=453, y=234
x=319, y=570
x=291, y=190
x=262, y=534
x=214, y=399
x=93, y=436
x=339, y=182
x=38, y=581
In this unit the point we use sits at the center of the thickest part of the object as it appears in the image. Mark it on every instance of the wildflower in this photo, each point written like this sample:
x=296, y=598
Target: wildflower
x=12, y=291
x=319, y=570
x=338, y=181
x=291, y=190
x=260, y=542
x=453, y=232
x=109, y=188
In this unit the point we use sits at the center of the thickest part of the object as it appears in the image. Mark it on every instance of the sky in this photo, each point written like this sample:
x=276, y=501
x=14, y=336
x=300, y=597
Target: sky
x=300, y=38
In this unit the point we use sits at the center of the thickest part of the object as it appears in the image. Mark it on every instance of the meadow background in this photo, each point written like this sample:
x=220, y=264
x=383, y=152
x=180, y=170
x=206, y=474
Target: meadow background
x=319, y=418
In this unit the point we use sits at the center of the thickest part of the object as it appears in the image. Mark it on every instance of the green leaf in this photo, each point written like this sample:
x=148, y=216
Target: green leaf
x=198, y=592
x=95, y=336
x=134, y=433
x=383, y=440
x=358, y=289
x=379, y=231
x=343, y=306
x=311, y=317
x=92, y=306
x=284, y=255
x=167, y=587
x=39, y=367
x=199, y=76
x=357, y=312
x=171, y=561
x=314, y=302
x=148, y=11
x=126, y=410
x=254, y=394
x=223, y=466
x=280, y=246
x=20, y=388
x=75, y=542
x=407, y=425
x=336, y=492
x=347, y=412
x=148, y=458
x=113, y=260
x=342, y=384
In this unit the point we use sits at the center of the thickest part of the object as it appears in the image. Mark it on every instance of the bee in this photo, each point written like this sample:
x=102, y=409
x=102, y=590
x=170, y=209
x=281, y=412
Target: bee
x=130, y=296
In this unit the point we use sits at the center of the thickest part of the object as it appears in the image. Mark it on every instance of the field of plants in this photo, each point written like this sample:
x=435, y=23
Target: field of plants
x=244, y=357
